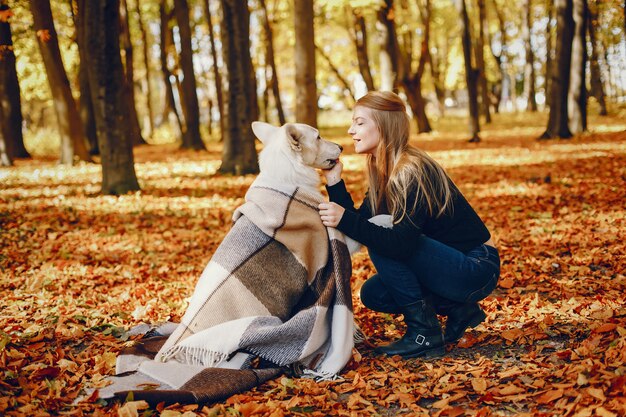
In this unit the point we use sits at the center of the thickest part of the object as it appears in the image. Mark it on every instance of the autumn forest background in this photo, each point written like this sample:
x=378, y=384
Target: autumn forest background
x=125, y=146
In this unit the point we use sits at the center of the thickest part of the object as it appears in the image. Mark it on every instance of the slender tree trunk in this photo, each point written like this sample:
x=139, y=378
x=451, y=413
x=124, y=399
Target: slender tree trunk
x=85, y=104
x=306, y=87
x=558, y=118
x=577, y=95
x=70, y=128
x=146, y=63
x=239, y=154
x=335, y=70
x=10, y=102
x=191, y=138
x=470, y=72
x=273, y=81
x=130, y=74
x=412, y=83
x=438, y=74
x=480, y=62
x=549, y=49
x=388, y=55
x=101, y=20
x=217, y=76
x=597, y=85
x=5, y=152
x=359, y=37
x=501, y=59
x=529, y=69
x=165, y=42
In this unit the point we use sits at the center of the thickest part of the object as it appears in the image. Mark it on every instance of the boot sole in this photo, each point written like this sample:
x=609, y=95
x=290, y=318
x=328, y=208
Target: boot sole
x=432, y=353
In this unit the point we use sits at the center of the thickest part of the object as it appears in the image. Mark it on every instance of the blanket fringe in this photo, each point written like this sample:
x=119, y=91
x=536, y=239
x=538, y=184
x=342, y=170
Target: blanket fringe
x=193, y=356
x=358, y=335
x=320, y=376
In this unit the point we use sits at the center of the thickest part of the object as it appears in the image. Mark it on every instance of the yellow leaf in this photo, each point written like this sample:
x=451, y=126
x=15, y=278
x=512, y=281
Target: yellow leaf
x=479, y=385
x=130, y=409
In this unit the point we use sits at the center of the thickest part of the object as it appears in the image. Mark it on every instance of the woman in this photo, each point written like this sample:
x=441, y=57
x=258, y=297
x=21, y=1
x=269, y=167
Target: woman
x=437, y=258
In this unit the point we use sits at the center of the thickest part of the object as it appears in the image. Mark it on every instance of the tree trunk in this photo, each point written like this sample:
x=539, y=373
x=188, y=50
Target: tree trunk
x=529, y=69
x=129, y=73
x=216, y=70
x=597, y=86
x=335, y=70
x=501, y=59
x=470, y=73
x=146, y=63
x=438, y=74
x=549, y=49
x=359, y=37
x=165, y=42
x=85, y=104
x=412, y=83
x=191, y=137
x=70, y=127
x=388, y=55
x=10, y=102
x=239, y=154
x=577, y=94
x=558, y=118
x=101, y=20
x=306, y=87
x=273, y=81
x=5, y=149
x=480, y=62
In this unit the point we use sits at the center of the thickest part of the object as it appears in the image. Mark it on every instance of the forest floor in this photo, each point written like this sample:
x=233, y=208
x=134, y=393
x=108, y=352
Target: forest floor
x=77, y=269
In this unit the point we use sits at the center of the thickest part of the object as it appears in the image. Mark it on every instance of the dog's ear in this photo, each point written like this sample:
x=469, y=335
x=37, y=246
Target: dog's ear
x=293, y=135
x=264, y=131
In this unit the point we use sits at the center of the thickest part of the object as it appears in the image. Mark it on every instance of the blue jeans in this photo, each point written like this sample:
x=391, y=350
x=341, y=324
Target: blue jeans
x=435, y=271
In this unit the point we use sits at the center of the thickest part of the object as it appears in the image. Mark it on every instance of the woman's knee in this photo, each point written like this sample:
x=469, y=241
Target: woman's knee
x=375, y=296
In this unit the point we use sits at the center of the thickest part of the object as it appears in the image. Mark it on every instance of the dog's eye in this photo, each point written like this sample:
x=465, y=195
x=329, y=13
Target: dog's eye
x=319, y=137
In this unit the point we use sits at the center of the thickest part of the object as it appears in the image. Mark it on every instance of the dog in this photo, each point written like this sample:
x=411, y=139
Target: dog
x=292, y=154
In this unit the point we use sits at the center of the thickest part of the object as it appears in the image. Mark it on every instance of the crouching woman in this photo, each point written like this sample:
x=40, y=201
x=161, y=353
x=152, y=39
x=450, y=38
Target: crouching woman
x=437, y=258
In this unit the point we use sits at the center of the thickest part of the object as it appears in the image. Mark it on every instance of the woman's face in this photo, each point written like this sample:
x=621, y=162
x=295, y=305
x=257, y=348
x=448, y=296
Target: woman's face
x=364, y=131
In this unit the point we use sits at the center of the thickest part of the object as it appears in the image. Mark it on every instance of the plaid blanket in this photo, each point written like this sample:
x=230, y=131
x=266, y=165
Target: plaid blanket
x=275, y=294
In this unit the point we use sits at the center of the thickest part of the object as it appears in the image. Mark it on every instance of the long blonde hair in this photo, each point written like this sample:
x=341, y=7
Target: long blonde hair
x=398, y=168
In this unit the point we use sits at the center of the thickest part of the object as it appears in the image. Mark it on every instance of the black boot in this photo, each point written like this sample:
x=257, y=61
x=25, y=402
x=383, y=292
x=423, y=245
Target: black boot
x=423, y=335
x=460, y=317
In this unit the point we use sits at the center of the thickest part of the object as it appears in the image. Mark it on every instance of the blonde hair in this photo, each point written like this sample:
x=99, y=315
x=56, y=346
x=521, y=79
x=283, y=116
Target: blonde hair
x=397, y=168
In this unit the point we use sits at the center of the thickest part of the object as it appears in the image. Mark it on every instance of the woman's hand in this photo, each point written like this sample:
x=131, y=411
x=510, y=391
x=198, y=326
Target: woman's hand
x=331, y=214
x=333, y=175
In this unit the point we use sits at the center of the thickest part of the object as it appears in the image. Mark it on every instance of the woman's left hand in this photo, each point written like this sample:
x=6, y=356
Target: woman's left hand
x=331, y=213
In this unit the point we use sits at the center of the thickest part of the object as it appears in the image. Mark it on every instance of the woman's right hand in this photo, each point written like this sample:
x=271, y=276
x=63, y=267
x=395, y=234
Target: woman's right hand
x=333, y=175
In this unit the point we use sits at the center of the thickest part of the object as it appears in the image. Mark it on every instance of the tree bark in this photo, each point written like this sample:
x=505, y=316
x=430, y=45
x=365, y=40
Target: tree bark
x=549, y=49
x=217, y=76
x=388, y=55
x=10, y=102
x=5, y=152
x=359, y=37
x=577, y=94
x=480, y=62
x=101, y=20
x=558, y=118
x=412, y=83
x=306, y=87
x=470, y=73
x=129, y=73
x=191, y=137
x=239, y=154
x=597, y=85
x=146, y=63
x=273, y=81
x=85, y=104
x=529, y=69
x=165, y=42
x=70, y=127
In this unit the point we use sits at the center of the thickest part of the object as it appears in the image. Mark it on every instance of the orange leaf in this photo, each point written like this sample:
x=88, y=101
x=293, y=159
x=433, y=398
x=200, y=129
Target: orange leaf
x=506, y=283
x=549, y=396
x=44, y=35
x=605, y=328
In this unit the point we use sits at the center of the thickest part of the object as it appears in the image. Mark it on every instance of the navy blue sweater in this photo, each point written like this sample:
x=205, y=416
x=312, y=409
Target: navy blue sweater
x=460, y=228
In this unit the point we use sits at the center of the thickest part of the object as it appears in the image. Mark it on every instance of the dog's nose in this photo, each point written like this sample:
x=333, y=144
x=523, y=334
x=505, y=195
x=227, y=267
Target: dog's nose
x=340, y=148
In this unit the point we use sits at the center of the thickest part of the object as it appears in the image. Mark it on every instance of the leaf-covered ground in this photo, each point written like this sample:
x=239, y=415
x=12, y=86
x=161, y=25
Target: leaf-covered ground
x=77, y=269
